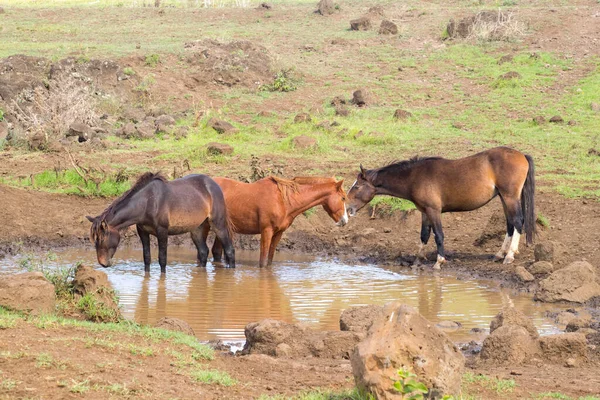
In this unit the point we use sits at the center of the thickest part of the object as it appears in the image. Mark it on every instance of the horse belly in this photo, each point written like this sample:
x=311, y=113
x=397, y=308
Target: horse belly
x=470, y=202
x=185, y=222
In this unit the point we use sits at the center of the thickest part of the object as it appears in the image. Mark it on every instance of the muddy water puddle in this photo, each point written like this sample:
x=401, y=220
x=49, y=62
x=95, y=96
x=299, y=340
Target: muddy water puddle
x=218, y=302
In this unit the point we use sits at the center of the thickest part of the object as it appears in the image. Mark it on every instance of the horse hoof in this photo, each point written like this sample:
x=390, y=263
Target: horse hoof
x=498, y=257
x=508, y=260
x=437, y=266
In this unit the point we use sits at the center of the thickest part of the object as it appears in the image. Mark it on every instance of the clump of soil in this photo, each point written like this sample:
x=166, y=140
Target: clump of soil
x=237, y=63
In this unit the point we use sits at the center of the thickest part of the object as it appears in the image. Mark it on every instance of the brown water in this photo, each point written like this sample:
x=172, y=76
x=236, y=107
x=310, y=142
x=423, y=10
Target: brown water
x=218, y=302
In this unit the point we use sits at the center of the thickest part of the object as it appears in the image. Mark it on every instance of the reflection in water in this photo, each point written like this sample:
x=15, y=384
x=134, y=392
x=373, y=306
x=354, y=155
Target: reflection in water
x=218, y=302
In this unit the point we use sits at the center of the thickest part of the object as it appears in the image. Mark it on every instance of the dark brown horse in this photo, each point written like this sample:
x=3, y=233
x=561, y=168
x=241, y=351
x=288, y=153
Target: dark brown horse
x=436, y=185
x=161, y=208
x=269, y=206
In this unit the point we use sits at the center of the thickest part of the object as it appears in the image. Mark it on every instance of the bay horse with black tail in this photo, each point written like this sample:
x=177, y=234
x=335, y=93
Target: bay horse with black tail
x=269, y=206
x=161, y=208
x=437, y=185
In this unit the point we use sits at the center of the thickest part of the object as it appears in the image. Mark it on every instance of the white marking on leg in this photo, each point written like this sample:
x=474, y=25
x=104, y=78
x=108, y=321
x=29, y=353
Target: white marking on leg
x=344, y=220
x=440, y=260
x=504, y=249
x=514, y=248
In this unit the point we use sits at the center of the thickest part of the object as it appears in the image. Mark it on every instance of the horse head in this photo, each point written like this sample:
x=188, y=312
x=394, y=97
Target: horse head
x=106, y=239
x=361, y=192
x=335, y=204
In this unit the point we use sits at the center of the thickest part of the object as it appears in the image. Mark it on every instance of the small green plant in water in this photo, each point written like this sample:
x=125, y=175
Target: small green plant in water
x=409, y=387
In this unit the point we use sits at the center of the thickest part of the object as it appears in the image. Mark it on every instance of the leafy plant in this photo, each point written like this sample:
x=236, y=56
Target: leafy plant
x=128, y=71
x=409, y=387
x=284, y=82
x=152, y=60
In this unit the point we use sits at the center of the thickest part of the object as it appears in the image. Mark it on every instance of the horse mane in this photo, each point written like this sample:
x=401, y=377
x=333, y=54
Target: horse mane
x=397, y=167
x=140, y=183
x=311, y=180
x=284, y=186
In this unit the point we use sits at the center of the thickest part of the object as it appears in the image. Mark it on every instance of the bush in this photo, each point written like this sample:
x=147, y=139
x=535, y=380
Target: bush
x=152, y=60
x=284, y=82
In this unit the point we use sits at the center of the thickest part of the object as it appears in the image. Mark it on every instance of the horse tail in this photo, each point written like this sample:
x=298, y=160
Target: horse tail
x=230, y=225
x=219, y=198
x=528, y=201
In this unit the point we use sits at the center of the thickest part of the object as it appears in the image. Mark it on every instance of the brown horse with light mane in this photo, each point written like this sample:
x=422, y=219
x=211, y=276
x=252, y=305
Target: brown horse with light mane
x=436, y=185
x=269, y=206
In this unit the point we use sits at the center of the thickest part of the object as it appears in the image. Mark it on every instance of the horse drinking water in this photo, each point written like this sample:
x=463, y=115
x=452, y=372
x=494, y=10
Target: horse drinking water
x=269, y=206
x=161, y=208
x=436, y=185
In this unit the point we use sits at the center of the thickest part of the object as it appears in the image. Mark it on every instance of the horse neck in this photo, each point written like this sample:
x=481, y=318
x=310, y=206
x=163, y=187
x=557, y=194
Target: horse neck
x=394, y=184
x=127, y=213
x=308, y=196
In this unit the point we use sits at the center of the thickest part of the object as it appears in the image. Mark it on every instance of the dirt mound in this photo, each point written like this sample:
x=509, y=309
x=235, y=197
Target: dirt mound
x=30, y=292
x=175, y=324
x=577, y=282
x=559, y=348
x=277, y=338
x=326, y=7
x=20, y=75
x=100, y=305
x=494, y=231
x=237, y=63
x=359, y=319
x=404, y=339
x=512, y=316
x=509, y=345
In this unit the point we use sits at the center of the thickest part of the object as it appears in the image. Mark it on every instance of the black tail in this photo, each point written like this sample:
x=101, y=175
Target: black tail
x=528, y=202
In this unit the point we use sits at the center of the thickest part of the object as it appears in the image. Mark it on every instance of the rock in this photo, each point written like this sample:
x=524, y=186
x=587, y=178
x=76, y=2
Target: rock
x=338, y=101
x=557, y=119
x=359, y=319
x=510, y=75
x=577, y=324
x=180, y=133
x=541, y=268
x=219, y=148
x=127, y=131
x=175, y=324
x=388, y=28
x=504, y=59
x=595, y=107
x=89, y=281
x=81, y=131
x=326, y=7
x=539, y=120
x=360, y=97
x=29, y=292
x=571, y=363
x=459, y=125
x=376, y=11
x=2, y=10
x=145, y=130
x=565, y=317
x=342, y=111
x=278, y=338
x=576, y=282
x=266, y=114
x=572, y=122
x=558, y=348
x=402, y=114
x=304, y=142
x=360, y=24
x=509, y=345
x=221, y=126
x=3, y=130
x=164, y=123
x=404, y=339
x=512, y=316
x=264, y=6
x=523, y=274
x=448, y=325
x=302, y=117
x=37, y=141
x=544, y=251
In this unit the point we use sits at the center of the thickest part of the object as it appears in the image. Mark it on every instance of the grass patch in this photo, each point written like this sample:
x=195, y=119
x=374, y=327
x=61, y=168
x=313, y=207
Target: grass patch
x=561, y=396
x=95, y=309
x=500, y=386
x=152, y=60
x=79, y=387
x=44, y=360
x=212, y=376
x=322, y=394
x=8, y=384
x=392, y=203
x=8, y=319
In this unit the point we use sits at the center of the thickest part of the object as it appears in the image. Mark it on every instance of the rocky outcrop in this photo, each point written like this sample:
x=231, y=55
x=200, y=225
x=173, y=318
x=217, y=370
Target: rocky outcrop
x=577, y=283
x=360, y=319
x=509, y=345
x=29, y=292
x=403, y=339
x=512, y=316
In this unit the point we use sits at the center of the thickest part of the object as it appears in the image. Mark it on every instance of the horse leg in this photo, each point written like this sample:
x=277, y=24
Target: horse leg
x=425, y=235
x=510, y=228
x=199, y=240
x=217, y=250
x=514, y=216
x=225, y=243
x=265, y=244
x=435, y=218
x=145, y=238
x=162, y=234
x=274, y=242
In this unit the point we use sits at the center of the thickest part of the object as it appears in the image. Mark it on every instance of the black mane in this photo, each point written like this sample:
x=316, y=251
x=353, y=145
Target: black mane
x=141, y=182
x=398, y=167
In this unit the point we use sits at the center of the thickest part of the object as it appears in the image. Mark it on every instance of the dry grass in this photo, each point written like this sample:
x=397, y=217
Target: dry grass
x=501, y=26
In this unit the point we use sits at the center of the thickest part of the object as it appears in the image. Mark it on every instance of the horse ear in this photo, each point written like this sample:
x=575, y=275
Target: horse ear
x=339, y=184
x=362, y=172
x=91, y=219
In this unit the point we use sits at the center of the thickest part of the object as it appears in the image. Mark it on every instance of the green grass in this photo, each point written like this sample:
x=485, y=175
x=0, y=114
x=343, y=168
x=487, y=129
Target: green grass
x=561, y=396
x=95, y=309
x=44, y=360
x=486, y=382
x=70, y=182
x=321, y=394
x=392, y=204
x=212, y=376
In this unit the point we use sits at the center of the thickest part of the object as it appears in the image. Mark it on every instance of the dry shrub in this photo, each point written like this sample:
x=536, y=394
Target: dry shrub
x=491, y=26
x=50, y=111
